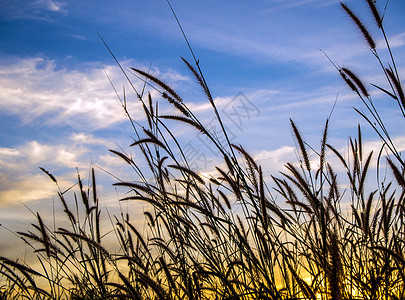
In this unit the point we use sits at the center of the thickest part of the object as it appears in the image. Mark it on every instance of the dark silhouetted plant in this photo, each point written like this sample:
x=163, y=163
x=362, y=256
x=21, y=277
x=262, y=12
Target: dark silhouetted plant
x=224, y=235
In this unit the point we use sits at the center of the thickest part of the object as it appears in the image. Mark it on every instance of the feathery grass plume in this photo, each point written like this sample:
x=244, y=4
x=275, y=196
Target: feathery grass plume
x=304, y=187
x=192, y=205
x=359, y=138
x=149, y=140
x=151, y=201
x=88, y=240
x=178, y=105
x=280, y=187
x=230, y=163
x=94, y=186
x=357, y=81
x=45, y=236
x=18, y=266
x=361, y=27
x=285, y=189
x=160, y=83
x=356, y=158
x=348, y=81
x=282, y=214
x=138, y=235
x=150, y=102
x=246, y=155
x=185, y=120
x=85, y=199
x=49, y=174
x=334, y=183
x=150, y=218
x=234, y=185
x=147, y=114
x=172, y=284
x=335, y=275
x=127, y=159
x=386, y=216
x=189, y=172
x=305, y=288
x=366, y=215
x=66, y=208
x=300, y=204
x=364, y=174
x=397, y=256
x=136, y=187
x=226, y=200
x=5, y=265
x=149, y=133
x=399, y=176
x=323, y=145
x=129, y=288
x=398, y=86
x=301, y=144
x=263, y=200
x=252, y=175
x=53, y=249
x=200, y=80
x=211, y=227
x=385, y=91
x=15, y=285
x=376, y=14
x=342, y=160
x=156, y=241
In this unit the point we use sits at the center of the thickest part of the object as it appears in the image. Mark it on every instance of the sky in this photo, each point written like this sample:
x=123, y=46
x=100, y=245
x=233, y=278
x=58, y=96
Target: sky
x=59, y=111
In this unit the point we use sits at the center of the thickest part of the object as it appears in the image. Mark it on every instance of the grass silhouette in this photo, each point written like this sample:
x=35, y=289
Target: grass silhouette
x=224, y=236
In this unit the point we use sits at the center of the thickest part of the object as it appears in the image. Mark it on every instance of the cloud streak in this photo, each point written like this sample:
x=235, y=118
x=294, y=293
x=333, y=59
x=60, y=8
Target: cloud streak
x=20, y=177
x=32, y=9
x=50, y=5
x=35, y=87
x=31, y=88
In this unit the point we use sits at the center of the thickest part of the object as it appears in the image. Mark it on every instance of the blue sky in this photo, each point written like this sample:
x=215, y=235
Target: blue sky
x=58, y=110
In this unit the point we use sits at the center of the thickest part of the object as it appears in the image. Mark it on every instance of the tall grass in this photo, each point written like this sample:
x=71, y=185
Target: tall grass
x=224, y=236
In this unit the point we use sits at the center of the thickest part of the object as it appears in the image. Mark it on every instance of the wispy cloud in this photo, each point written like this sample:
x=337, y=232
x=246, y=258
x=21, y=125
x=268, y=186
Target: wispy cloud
x=20, y=177
x=296, y=37
x=50, y=5
x=35, y=87
x=285, y=4
x=273, y=161
x=32, y=9
x=396, y=40
x=79, y=37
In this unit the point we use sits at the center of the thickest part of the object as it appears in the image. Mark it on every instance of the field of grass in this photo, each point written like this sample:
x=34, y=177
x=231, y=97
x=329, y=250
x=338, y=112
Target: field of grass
x=329, y=235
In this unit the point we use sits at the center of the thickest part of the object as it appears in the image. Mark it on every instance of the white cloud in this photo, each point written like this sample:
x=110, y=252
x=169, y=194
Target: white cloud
x=397, y=40
x=272, y=161
x=83, y=99
x=84, y=138
x=33, y=87
x=34, y=153
x=21, y=179
x=51, y=5
x=291, y=36
x=79, y=37
x=32, y=9
x=36, y=87
x=285, y=4
x=24, y=189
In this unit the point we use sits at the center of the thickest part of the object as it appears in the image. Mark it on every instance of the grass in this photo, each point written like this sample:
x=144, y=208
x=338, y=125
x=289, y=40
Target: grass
x=225, y=236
